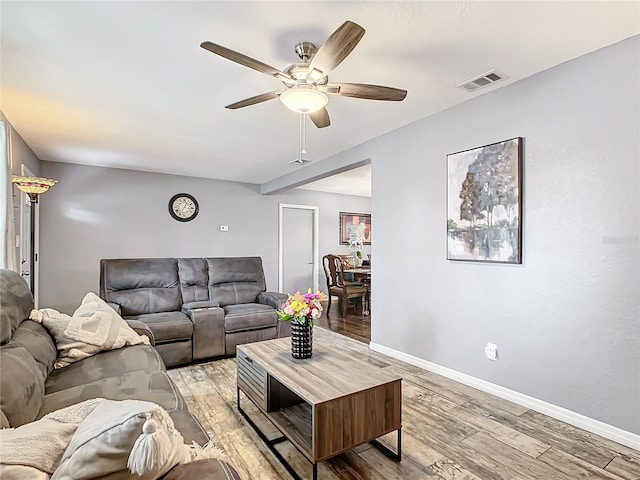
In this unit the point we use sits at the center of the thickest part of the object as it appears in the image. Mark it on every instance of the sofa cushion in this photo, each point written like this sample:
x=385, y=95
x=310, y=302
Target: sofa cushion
x=4, y=421
x=149, y=386
x=235, y=280
x=194, y=279
x=189, y=427
x=108, y=364
x=249, y=316
x=35, y=338
x=176, y=353
x=21, y=385
x=167, y=326
x=15, y=303
x=139, y=286
x=202, y=469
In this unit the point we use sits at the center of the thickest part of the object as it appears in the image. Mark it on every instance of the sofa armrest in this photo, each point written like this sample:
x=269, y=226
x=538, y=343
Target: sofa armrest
x=208, y=329
x=195, y=305
x=116, y=307
x=141, y=328
x=273, y=299
x=205, y=469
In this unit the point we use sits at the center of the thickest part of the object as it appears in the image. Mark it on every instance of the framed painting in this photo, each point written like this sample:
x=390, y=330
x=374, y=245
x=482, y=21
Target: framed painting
x=355, y=226
x=484, y=203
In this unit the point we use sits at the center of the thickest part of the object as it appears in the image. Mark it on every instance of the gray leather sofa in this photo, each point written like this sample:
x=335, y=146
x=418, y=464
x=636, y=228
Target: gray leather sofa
x=30, y=387
x=197, y=308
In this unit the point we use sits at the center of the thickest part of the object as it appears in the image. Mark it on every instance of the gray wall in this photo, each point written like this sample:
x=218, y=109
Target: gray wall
x=95, y=213
x=566, y=321
x=21, y=154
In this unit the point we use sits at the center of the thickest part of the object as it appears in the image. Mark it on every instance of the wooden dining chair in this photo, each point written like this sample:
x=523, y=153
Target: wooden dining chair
x=336, y=285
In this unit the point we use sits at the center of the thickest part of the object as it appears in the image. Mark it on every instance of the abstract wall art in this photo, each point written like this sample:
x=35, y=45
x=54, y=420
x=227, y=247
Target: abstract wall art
x=484, y=203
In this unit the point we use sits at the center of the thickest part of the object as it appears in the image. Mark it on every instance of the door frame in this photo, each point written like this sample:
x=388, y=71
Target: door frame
x=315, y=240
x=24, y=223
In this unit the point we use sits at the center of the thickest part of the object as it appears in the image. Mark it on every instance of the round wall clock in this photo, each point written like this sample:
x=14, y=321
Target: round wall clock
x=183, y=207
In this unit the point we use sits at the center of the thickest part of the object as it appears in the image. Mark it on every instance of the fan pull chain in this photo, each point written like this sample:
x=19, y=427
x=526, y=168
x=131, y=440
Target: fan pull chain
x=303, y=135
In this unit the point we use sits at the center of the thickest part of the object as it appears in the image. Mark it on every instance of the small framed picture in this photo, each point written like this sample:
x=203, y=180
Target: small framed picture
x=355, y=226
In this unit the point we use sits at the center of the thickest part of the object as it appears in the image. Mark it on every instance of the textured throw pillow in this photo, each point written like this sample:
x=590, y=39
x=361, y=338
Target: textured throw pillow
x=119, y=438
x=94, y=327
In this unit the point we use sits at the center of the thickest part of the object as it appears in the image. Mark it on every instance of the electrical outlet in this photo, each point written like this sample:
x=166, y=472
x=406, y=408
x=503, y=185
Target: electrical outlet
x=224, y=228
x=491, y=351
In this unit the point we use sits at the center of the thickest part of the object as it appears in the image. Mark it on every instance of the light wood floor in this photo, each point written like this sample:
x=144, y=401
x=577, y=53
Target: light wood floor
x=450, y=432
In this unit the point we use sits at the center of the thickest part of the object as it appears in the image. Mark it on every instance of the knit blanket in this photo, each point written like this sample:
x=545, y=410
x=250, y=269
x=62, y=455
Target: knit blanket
x=102, y=438
x=34, y=450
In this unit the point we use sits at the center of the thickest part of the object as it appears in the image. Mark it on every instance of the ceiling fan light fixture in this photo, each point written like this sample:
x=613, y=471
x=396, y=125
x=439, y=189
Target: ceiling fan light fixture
x=304, y=99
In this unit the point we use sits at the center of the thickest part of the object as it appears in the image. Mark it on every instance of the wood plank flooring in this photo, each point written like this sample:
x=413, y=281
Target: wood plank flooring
x=352, y=325
x=450, y=431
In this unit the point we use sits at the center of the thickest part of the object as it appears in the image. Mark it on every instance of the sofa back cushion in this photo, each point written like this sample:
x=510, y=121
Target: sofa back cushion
x=21, y=385
x=37, y=340
x=139, y=286
x=16, y=303
x=235, y=280
x=194, y=279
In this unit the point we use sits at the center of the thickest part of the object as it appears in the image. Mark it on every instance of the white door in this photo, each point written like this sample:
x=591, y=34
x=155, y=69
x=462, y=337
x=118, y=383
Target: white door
x=298, y=256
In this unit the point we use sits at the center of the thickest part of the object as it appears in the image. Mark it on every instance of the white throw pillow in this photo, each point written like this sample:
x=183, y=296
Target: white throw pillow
x=121, y=433
x=94, y=327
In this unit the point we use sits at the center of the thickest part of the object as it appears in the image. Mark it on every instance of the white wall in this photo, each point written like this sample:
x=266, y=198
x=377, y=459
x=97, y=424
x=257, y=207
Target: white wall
x=95, y=213
x=566, y=321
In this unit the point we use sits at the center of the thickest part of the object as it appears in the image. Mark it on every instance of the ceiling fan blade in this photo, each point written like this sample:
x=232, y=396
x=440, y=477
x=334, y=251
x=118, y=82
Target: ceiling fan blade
x=253, y=100
x=243, y=59
x=366, y=91
x=320, y=118
x=335, y=49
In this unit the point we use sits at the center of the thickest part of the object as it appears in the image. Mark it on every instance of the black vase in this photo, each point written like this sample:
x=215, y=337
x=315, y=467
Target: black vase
x=301, y=339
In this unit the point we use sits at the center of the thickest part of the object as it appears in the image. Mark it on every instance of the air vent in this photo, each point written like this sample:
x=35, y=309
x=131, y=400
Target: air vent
x=481, y=81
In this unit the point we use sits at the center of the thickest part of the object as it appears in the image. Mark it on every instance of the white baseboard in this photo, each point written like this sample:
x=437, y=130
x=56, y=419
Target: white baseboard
x=591, y=425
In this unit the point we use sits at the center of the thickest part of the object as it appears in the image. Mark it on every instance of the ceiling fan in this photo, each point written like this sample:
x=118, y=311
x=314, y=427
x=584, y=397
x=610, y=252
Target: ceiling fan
x=306, y=83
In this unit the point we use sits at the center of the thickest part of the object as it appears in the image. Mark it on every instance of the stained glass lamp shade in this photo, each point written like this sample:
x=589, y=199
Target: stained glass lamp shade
x=33, y=186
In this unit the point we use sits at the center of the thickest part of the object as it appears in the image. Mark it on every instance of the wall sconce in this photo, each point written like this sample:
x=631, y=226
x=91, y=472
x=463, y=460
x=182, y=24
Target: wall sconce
x=32, y=186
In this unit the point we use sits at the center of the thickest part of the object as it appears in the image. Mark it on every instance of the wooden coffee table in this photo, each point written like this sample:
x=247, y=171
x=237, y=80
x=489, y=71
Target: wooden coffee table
x=324, y=405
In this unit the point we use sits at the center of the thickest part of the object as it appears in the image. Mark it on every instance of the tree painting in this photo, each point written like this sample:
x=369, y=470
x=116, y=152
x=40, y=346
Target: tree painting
x=484, y=186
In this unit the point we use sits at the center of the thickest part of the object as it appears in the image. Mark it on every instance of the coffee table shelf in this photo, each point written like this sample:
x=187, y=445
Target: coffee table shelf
x=296, y=422
x=324, y=405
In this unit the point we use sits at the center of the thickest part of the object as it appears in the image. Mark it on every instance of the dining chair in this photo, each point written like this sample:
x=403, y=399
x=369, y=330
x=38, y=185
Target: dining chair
x=336, y=284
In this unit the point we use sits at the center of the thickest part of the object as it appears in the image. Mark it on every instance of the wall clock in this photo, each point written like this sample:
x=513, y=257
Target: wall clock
x=183, y=207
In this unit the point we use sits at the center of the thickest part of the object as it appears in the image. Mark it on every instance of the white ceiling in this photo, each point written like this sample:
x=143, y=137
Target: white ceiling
x=125, y=84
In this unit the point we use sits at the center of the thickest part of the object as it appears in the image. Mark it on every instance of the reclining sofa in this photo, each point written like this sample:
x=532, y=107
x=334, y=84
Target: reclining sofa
x=197, y=308
x=30, y=387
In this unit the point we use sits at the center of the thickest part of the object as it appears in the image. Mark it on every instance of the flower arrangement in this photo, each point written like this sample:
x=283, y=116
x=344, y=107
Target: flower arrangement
x=356, y=245
x=302, y=308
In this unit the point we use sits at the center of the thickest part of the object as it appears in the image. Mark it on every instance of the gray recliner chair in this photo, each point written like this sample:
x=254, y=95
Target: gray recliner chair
x=197, y=308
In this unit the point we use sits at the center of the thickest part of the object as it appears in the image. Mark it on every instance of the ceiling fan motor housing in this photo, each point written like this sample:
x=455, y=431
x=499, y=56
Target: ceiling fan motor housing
x=306, y=50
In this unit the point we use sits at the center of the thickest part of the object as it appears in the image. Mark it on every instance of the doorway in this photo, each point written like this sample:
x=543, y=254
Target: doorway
x=298, y=229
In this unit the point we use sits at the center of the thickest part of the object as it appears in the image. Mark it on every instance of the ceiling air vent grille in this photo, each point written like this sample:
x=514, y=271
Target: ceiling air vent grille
x=481, y=81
